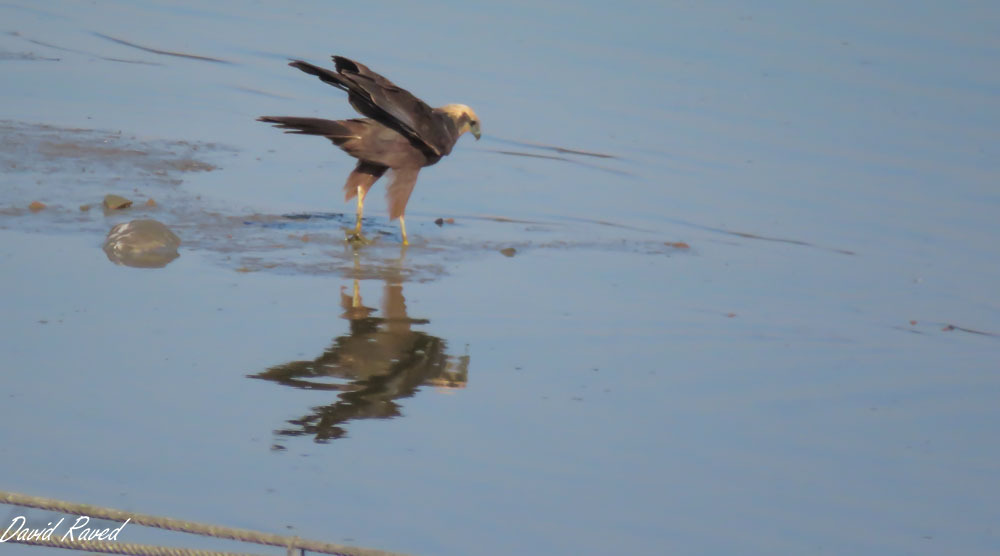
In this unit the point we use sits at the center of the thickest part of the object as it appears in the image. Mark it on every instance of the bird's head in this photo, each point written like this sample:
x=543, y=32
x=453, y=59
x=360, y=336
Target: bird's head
x=464, y=117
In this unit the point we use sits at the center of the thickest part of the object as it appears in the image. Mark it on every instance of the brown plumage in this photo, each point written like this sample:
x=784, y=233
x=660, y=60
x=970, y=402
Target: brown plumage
x=400, y=132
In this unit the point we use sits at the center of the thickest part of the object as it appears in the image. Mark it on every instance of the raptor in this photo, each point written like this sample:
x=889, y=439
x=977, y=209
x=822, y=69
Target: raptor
x=400, y=134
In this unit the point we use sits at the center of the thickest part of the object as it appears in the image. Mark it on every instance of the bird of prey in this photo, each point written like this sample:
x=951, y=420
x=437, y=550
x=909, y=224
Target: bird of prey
x=400, y=132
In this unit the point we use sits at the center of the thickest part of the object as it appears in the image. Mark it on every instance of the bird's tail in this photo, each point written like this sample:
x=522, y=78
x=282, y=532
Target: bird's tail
x=333, y=130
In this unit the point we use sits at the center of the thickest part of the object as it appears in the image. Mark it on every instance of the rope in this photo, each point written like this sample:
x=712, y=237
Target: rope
x=193, y=527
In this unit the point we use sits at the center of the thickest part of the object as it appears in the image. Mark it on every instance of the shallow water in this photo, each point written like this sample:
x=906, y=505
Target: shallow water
x=765, y=321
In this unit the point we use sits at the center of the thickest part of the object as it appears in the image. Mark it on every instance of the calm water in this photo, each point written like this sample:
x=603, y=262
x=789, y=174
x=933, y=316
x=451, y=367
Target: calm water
x=816, y=374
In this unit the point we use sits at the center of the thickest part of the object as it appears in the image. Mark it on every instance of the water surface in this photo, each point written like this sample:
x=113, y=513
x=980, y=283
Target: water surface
x=764, y=320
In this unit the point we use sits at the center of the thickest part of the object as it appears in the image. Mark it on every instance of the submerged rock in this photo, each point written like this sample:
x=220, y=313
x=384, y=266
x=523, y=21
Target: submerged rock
x=142, y=244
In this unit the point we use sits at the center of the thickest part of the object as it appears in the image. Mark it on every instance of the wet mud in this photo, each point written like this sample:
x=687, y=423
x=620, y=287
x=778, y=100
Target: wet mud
x=71, y=170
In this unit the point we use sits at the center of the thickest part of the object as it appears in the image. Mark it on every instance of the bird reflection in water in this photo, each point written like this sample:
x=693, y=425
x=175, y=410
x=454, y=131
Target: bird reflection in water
x=380, y=360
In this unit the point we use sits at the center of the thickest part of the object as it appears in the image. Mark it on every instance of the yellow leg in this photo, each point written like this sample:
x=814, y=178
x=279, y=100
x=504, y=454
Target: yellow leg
x=402, y=227
x=361, y=209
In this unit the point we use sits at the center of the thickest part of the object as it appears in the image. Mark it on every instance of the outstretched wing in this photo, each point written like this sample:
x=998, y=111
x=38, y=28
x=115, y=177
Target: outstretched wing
x=380, y=99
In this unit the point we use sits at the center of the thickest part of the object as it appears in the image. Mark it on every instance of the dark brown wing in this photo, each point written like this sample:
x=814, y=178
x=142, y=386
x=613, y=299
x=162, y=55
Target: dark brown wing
x=380, y=99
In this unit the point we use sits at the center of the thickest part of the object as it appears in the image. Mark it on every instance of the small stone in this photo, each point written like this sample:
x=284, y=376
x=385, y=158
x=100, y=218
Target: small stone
x=116, y=202
x=84, y=208
x=150, y=203
x=508, y=251
x=439, y=221
x=36, y=206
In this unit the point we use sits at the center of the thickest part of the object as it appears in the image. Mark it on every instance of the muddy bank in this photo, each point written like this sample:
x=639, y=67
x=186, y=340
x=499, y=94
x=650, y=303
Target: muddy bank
x=67, y=171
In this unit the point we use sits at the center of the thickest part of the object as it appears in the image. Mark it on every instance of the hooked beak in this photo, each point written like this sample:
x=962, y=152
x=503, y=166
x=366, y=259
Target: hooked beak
x=476, y=132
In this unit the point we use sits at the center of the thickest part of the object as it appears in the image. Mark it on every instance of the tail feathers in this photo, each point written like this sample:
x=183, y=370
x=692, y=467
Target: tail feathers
x=333, y=130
